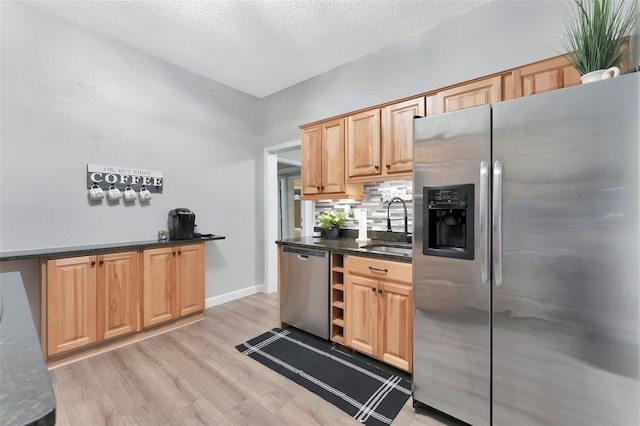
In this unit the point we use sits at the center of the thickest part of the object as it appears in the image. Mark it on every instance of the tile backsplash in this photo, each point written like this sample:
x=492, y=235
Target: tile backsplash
x=376, y=198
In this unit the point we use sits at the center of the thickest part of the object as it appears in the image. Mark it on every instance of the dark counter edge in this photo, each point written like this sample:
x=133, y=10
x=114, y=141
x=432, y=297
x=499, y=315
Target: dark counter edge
x=342, y=246
x=27, y=395
x=56, y=252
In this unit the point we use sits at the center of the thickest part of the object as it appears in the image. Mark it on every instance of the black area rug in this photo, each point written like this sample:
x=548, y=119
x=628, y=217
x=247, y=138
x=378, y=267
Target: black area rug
x=369, y=394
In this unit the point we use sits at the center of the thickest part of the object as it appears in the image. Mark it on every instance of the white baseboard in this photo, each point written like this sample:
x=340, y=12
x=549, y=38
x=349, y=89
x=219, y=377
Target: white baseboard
x=228, y=297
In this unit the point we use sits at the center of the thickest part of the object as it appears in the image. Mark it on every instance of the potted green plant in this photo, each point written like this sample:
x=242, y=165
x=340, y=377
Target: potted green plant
x=595, y=33
x=331, y=222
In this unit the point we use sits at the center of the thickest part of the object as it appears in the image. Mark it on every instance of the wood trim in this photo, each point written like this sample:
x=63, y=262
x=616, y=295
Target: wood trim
x=43, y=306
x=353, y=191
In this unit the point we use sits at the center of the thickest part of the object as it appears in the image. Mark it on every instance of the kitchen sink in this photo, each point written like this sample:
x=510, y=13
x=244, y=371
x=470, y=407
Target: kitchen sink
x=392, y=248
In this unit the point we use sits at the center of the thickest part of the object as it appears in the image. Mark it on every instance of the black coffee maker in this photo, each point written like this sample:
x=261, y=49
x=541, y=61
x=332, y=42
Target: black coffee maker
x=181, y=224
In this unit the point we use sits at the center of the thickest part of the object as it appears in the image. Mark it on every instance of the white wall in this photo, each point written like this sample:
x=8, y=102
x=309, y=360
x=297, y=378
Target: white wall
x=494, y=37
x=70, y=97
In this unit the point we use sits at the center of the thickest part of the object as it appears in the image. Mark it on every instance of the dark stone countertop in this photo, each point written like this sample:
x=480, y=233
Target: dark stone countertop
x=26, y=396
x=56, y=252
x=348, y=245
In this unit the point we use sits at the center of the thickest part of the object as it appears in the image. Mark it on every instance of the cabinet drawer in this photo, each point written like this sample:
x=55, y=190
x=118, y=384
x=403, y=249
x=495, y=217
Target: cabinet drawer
x=378, y=268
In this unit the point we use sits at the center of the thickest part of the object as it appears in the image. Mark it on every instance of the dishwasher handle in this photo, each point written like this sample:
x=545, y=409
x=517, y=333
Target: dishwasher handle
x=303, y=253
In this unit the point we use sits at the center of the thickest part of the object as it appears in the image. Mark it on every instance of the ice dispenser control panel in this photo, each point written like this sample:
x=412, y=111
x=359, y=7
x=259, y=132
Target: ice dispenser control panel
x=448, y=221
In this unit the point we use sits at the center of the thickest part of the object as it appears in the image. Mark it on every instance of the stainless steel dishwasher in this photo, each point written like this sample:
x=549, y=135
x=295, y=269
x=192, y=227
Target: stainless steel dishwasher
x=304, y=289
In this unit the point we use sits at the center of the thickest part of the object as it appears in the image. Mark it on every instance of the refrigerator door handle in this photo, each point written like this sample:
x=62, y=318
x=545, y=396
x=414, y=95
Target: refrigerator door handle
x=484, y=221
x=497, y=222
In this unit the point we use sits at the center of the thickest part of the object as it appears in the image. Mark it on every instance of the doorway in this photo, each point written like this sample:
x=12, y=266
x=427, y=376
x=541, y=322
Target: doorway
x=289, y=203
x=272, y=156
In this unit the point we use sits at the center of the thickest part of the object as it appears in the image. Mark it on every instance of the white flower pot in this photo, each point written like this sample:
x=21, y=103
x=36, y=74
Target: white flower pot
x=600, y=75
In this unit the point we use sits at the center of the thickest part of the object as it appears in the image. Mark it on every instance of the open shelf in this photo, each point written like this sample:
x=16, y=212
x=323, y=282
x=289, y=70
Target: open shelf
x=337, y=298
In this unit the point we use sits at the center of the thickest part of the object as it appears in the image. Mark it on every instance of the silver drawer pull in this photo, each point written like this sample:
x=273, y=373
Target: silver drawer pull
x=383, y=270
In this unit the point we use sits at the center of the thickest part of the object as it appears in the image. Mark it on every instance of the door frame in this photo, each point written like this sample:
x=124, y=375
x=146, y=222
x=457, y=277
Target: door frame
x=271, y=215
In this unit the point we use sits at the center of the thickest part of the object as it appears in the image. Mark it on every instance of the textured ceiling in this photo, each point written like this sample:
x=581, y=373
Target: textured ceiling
x=256, y=46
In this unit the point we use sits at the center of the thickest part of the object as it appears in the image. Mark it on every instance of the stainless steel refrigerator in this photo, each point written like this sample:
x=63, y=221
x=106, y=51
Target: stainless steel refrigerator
x=526, y=259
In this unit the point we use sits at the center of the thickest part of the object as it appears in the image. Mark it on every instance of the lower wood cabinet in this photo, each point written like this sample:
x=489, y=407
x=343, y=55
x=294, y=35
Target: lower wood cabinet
x=173, y=283
x=379, y=309
x=89, y=299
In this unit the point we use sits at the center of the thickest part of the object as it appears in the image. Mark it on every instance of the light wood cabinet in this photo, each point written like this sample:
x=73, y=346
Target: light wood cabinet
x=173, y=283
x=323, y=162
x=190, y=273
x=380, y=142
x=311, y=151
x=118, y=294
x=363, y=144
x=397, y=135
x=362, y=314
x=90, y=299
x=71, y=303
x=544, y=76
x=379, y=309
x=480, y=92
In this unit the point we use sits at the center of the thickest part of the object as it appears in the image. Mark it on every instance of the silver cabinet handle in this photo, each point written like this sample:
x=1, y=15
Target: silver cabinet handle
x=497, y=222
x=484, y=221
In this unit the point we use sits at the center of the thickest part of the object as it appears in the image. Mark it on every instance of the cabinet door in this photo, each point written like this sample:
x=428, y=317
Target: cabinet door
x=544, y=76
x=118, y=302
x=159, y=286
x=363, y=142
x=333, y=164
x=311, y=151
x=397, y=134
x=71, y=303
x=469, y=95
x=397, y=325
x=190, y=278
x=362, y=314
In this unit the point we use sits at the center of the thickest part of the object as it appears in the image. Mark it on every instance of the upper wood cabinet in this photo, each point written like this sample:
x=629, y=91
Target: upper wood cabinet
x=89, y=299
x=333, y=181
x=323, y=162
x=173, y=283
x=311, y=151
x=397, y=135
x=363, y=143
x=380, y=141
x=544, y=76
x=550, y=74
x=468, y=95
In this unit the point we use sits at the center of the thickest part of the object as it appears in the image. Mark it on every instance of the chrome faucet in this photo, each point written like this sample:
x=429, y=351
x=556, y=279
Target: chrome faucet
x=406, y=219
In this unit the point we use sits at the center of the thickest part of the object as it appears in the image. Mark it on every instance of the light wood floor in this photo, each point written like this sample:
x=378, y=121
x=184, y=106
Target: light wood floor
x=194, y=375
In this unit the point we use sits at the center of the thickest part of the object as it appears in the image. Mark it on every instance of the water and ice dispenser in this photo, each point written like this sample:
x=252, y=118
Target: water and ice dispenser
x=448, y=221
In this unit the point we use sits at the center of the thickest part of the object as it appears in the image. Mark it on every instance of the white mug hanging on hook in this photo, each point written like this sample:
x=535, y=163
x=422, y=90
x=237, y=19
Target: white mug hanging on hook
x=144, y=194
x=114, y=193
x=129, y=194
x=96, y=193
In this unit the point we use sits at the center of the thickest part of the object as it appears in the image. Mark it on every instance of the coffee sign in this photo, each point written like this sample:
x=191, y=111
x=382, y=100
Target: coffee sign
x=121, y=177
